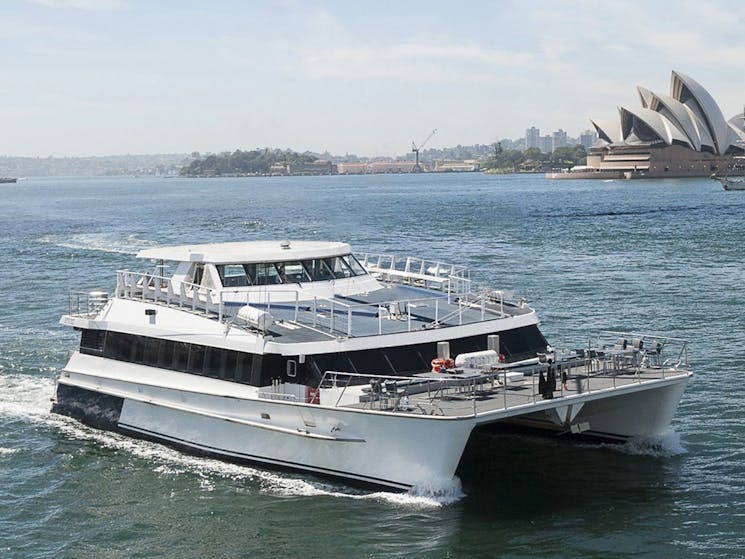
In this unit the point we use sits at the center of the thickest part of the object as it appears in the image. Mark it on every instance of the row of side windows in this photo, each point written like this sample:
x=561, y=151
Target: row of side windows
x=258, y=370
x=196, y=359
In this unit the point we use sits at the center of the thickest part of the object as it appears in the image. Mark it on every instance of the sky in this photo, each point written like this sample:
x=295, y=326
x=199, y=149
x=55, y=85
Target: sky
x=104, y=77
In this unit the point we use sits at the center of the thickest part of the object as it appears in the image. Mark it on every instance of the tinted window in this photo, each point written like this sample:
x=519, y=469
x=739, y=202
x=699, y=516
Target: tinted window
x=267, y=274
x=293, y=272
x=233, y=275
x=354, y=264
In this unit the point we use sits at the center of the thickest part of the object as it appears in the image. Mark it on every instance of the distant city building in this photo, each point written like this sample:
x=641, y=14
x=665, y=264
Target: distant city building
x=532, y=138
x=315, y=168
x=377, y=167
x=353, y=168
x=683, y=134
x=392, y=166
x=588, y=138
x=558, y=139
x=546, y=144
x=462, y=166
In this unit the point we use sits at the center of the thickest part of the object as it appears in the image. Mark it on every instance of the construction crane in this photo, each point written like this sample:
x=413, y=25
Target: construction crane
x=415, y=149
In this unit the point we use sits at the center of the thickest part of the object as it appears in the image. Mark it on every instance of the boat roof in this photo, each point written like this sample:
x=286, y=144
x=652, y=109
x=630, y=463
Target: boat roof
x=247, y=251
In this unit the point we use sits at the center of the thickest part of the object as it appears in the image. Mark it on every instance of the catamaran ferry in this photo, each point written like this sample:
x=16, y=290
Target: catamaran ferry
x=370, y=368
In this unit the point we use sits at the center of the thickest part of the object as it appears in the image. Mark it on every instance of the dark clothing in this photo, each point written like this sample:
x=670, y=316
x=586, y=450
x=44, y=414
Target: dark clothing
x=550, y=383
x=542, y=385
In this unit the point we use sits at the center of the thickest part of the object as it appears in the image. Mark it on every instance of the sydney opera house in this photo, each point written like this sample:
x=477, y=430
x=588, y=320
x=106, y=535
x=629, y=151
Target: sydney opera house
x=683, y=134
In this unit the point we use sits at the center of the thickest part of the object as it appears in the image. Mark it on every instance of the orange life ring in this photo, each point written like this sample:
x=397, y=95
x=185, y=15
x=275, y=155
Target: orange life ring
x=502, y=358
x=450, y=363
x=438, y=365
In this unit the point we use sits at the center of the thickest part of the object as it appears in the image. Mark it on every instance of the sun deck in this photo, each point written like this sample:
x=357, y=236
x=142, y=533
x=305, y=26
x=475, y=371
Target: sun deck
x=410, y=295
x=507, y=391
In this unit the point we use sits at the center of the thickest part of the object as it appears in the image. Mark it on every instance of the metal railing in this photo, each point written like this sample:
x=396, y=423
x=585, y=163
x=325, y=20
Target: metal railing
x=429, y=393
x=334, y=316
x=653, y=350
x=409, y=270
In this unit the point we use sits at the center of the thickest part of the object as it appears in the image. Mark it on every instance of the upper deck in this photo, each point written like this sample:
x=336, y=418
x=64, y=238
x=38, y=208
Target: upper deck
x=367, y=295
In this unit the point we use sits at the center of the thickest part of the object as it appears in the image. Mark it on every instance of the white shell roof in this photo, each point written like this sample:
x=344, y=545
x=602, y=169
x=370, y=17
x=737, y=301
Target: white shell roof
x=608, y=129
x=685, y=119
x=689, y=116
x=247, y=252
x=710, y=112
x=661, y=126
x=645, y=96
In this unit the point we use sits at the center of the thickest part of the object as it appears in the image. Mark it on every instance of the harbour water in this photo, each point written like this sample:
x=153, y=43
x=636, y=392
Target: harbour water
x=652, y=256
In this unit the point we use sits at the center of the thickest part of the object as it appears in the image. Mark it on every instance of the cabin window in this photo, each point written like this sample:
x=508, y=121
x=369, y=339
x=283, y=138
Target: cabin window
x=294, y=272
x=181, y=356
x=267, y=274
x=228, y=372
x=233, y=275
x=196, y=359
x=150, y=355
x=291, y=368
x=318, y=270
x=338, y=267
x=195, y=274
x=354, y=264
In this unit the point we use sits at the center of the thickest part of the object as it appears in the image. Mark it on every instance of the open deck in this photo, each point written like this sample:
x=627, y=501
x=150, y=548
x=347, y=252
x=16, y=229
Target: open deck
x=507, y=391
x=415, y=295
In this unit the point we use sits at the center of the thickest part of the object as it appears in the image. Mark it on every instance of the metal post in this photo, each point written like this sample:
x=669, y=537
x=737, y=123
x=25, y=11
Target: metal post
x=504, y=387
x=380, y=319
x=473, y=395
x=349, y=322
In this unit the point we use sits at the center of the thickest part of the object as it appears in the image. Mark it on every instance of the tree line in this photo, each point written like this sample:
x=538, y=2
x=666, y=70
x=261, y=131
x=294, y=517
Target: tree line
x=532, y=159
x=254, y=162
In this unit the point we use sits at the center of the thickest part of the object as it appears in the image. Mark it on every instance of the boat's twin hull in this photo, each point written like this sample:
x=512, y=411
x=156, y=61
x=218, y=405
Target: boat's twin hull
x=372, y=448
x=386, y=449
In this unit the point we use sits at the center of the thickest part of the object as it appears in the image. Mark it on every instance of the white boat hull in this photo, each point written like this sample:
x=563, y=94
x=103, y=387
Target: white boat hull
x=381, y=448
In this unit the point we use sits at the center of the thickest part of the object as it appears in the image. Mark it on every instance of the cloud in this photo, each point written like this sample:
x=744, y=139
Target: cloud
x=421, y=61
x=91, y=5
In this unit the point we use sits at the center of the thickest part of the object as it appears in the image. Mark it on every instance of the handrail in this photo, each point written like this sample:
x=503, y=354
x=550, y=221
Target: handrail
x=418, y=270
x=198, y=298
x=409, y=391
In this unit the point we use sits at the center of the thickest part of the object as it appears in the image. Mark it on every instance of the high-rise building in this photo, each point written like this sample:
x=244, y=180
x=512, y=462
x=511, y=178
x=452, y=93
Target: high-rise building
x=588, y=138
x=546, y=145
x=558, y=139
x=532, y=137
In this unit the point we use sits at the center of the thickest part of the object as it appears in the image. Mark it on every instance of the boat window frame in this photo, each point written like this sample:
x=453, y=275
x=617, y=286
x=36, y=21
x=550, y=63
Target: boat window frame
x=221, y=269
x=329, y=268
x=351, y=261
x=285, y=275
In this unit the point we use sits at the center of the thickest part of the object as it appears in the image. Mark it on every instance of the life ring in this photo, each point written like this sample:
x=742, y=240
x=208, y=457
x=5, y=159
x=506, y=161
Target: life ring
x=502, y=358
x=449, y=363
x=438, y=365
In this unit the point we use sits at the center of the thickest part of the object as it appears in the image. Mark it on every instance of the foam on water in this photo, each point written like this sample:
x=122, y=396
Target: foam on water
x=99, y=242
x=25, y=397
x=668, y=444
x=664, y=446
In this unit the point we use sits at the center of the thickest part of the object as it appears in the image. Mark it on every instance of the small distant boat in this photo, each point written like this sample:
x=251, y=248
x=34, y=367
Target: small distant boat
x=731, y=184
x=7, y=179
